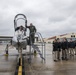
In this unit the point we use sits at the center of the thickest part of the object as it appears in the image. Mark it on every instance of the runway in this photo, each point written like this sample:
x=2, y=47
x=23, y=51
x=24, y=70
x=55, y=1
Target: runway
x=37, y=67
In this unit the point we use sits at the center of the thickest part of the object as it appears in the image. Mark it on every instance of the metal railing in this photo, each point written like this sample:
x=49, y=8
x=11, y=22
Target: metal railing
x=40, y=43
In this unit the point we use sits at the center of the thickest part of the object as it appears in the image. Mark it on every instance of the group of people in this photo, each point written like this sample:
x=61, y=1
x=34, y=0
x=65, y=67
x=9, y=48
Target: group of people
x=63, y=49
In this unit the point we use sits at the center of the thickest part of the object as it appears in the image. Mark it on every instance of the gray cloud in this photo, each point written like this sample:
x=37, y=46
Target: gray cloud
x=51, y=17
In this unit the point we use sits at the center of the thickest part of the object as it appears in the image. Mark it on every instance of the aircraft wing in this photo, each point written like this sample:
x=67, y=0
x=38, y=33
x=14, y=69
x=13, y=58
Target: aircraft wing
x=5, y=39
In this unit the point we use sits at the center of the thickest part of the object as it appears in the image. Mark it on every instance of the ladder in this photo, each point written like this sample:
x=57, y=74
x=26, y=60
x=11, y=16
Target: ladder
x=39, y=47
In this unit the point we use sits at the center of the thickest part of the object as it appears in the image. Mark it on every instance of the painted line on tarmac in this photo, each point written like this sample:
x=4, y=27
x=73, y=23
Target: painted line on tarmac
x=20, y=70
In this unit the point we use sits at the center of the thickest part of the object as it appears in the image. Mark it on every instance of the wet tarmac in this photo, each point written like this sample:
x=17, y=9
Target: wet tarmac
x=37, y=67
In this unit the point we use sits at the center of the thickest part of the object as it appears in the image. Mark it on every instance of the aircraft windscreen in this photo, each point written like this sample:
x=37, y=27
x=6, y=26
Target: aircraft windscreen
x=20, y=23
x=20, y=20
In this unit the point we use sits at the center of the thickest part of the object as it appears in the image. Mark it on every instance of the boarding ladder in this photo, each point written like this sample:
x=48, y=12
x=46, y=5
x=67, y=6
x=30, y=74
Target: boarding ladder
x=39, y=46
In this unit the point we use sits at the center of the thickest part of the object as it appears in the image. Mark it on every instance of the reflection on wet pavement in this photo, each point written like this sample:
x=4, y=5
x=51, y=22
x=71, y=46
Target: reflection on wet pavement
x=37, y=67
x=7, y=65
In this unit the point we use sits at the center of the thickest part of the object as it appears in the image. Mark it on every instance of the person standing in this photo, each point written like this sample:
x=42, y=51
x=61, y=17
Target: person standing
x=64, y=49
x=55, y=50
x=72, y=47
x=32, y=32
x=75, y=46
x=58, y=48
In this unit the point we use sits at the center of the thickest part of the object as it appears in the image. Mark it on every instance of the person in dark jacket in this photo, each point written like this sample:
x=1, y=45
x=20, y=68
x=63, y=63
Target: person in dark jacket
x=75, y=46
x=58, y=48
x=64, y=49
x=72, y=46
x=55, y=49
x=33, y=30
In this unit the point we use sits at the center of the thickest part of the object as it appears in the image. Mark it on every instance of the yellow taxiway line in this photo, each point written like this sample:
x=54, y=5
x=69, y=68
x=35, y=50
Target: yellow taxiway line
x=20, y=70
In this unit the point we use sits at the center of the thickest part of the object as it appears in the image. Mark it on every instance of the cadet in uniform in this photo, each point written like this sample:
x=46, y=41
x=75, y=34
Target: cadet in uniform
x=55, y=49
x=75, y=47
x=72, y=46
x=64, y=49
x=58, y=48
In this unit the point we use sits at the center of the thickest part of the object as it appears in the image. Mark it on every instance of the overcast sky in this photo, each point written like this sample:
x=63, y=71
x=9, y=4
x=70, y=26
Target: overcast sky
x=51, y=17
